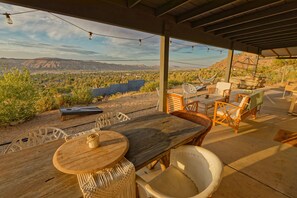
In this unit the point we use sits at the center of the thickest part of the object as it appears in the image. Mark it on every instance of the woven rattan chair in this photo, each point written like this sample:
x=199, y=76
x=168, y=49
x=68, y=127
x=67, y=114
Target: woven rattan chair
x=117, y=182
x=34, y=138
x=193, y=172
x=198, y=118
x=110, y=118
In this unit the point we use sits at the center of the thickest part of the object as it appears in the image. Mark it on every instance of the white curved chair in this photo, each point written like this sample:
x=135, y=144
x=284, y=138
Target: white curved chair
x=33, y=138
x=189, y=91
x=110, y=118
x=193, y=172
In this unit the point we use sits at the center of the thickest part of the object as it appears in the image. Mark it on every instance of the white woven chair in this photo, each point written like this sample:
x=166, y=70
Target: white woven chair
x=110, y=118
x=189, y=91
x=116, y=182
x=34, y=138
x=193, y=172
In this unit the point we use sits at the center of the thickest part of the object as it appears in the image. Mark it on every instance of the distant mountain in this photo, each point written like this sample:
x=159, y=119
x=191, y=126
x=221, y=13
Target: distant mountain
x=56, y=64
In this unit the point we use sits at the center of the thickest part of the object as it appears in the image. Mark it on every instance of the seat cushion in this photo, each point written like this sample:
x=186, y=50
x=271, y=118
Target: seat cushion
x=173, y=183
x=228, y=108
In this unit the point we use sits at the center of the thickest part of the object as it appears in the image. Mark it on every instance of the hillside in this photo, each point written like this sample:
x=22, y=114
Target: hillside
x=243, y=60
x=55, y=64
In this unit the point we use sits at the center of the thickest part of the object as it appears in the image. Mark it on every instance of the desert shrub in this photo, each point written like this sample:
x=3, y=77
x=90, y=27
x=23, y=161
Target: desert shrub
x=18, y=95
x=149, y=86
x=81, y=94
x=173, y=83
x=46, y=101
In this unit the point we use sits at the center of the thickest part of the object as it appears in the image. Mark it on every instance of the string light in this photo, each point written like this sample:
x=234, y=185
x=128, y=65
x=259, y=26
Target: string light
x=9, y=21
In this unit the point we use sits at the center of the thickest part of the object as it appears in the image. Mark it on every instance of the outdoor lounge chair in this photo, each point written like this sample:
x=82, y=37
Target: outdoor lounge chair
x=110, y=118
x=175, y=102
x=34, y=138
x=79, y=111
x=193, y=172
x=222, y=89
x=232, y=114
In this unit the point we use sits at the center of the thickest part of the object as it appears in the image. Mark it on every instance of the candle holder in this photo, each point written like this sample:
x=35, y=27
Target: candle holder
x=93, y=140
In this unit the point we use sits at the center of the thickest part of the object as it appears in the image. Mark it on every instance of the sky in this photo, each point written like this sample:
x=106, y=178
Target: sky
x=42, y=34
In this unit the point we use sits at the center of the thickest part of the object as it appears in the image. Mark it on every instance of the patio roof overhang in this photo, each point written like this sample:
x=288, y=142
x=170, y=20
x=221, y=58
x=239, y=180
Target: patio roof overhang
x=249, y=26
x=260, y=27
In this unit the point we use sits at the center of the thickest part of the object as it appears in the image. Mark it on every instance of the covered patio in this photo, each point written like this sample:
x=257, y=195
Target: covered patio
x=254, y=164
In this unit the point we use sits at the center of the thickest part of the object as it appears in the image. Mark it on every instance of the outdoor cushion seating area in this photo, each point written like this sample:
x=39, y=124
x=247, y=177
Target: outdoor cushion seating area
x=231, y=114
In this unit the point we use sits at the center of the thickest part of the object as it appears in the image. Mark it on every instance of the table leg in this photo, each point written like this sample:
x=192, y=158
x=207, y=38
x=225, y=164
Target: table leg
x=291, y=109
x=165, y=161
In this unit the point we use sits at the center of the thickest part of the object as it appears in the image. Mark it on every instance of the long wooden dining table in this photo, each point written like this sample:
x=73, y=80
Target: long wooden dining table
x=30, y=172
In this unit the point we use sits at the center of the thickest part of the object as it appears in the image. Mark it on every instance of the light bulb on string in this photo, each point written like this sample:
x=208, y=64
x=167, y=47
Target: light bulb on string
x=90, y=35
x=8, y=19
x=139, y=40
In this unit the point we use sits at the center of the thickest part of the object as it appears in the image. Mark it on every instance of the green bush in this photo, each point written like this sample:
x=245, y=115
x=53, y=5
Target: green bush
x=18, y=95
x=149, y=86
x=81, y=95
x=46, y=102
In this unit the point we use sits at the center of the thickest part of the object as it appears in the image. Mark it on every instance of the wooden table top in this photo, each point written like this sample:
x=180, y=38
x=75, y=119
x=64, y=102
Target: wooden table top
x=31, y=173
x=75, y=156
x=151, y=136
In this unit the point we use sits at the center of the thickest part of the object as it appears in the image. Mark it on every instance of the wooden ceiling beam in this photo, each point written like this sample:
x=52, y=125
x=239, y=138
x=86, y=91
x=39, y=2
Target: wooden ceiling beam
x=279, y=45
x=269, y=27
x=132, y=3
x=169, y=6
x=292, y=29
x=272, y=41
x=239, y=10
x=288, y=7
x=280, y=35
x=259, y=23
x=202, y=9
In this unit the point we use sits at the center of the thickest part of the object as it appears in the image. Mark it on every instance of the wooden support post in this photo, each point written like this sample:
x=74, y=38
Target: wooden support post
x=256, y=65
x=229, y=65
x=164, y=59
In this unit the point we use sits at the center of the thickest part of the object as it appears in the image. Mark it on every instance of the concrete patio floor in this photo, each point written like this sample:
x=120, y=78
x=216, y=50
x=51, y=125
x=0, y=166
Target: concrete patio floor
x=254, y=164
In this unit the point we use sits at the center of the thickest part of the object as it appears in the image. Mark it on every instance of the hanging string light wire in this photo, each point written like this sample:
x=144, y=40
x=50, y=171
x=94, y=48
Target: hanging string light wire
x=90, y=33
x=98, y=34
